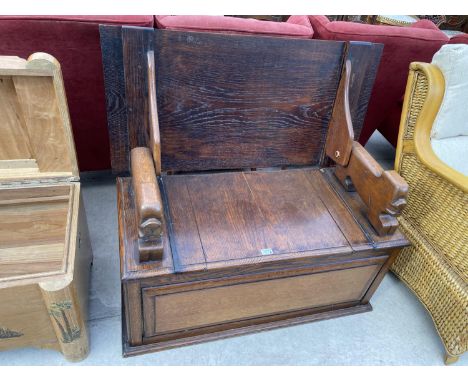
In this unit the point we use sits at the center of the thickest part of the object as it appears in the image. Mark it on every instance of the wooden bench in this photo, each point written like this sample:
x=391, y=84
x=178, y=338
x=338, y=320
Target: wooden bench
x=233, y=219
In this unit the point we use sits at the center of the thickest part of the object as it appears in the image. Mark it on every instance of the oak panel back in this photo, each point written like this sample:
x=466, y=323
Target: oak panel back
x=229, y=101
x=241, y=101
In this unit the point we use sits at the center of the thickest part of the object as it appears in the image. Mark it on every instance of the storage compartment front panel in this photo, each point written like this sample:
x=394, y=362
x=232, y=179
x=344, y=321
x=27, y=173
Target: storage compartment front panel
x=177, y=309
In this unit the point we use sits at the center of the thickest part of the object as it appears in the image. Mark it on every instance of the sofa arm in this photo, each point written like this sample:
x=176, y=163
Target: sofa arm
x=148, y=205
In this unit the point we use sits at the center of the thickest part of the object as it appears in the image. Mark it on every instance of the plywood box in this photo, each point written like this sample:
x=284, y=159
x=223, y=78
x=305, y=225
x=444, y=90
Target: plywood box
x=45, y=254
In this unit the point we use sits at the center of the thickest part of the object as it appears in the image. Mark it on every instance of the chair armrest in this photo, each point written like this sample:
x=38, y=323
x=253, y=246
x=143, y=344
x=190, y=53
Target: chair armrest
x=383, y=192
x=148, y=205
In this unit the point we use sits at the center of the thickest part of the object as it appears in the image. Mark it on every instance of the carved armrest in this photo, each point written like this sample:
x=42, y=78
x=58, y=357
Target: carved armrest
x=148, y=205
x=383, y=192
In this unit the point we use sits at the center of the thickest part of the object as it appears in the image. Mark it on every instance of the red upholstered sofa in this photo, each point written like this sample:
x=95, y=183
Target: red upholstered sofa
x=402, y=45
x=74, y=41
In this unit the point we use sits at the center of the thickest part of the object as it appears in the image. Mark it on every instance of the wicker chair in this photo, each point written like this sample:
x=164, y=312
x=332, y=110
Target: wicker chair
x=435, y=268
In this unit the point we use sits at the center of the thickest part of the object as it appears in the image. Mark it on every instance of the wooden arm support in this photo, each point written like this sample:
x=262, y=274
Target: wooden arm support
x=383, y=192
x=148, y=205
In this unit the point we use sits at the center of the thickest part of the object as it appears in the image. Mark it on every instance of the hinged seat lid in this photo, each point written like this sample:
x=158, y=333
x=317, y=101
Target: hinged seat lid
x=36, y=143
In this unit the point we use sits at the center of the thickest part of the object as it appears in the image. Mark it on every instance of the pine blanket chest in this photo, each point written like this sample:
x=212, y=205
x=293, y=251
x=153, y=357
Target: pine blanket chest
x=232, y=220
x=45, y=254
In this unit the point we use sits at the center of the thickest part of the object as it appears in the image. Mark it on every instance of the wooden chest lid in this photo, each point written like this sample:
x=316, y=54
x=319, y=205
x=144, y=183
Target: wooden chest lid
x=36, y=138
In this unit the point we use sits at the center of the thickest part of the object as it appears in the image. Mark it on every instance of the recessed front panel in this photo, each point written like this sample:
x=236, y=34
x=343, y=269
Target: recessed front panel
x=213, y=303
x=33, y=231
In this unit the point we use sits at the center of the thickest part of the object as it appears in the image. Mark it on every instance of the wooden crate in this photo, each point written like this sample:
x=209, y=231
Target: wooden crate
x=233, y=220
x=45, y=253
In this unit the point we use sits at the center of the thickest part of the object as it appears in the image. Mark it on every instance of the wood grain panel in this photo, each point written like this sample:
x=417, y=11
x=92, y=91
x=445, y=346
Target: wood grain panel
x=294, y=211
x=136, y=42
x=14, y=142
x=36, y=223
x=365, y=59
x=240, y=215
x=202, y=307
x=219, y=96
x=342, y=216
x=183, y=230
x=114, y=83
x=44, y=123
x=229, y=222
x=23, y=311
x=243, y=101
x=31, y=260
x=33, y=193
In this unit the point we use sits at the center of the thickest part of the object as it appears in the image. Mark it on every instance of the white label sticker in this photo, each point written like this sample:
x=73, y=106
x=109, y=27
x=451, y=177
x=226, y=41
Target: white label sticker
x=266, y=251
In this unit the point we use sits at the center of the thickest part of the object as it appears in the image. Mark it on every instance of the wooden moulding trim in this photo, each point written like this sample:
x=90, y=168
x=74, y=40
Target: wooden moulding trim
x=70, y=244
x=319, y=314
x=341, y=133
x=155, y=140
x=254, y=278
x=424, y=123
x=13, y=65
x=44, y=61
x=262, y=271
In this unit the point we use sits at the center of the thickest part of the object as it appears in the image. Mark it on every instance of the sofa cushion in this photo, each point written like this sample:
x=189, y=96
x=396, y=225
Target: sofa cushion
x=402, y=45
x=425, y=24
x=453, y=151
x=461, y=38
x=452, y=118
x=296, y=26
x=343, y=30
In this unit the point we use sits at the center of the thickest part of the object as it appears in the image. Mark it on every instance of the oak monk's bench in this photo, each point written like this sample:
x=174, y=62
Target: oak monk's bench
x=233, y=219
